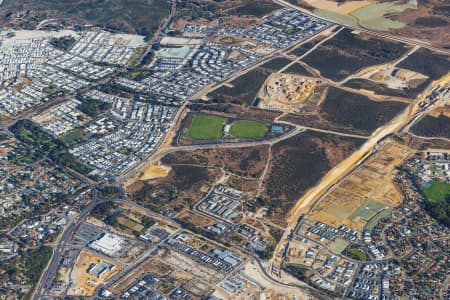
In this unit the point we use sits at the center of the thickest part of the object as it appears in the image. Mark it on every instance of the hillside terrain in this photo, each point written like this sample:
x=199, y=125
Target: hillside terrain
x=136, y=16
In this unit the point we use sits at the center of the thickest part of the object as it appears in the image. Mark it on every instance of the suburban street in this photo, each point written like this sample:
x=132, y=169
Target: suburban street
x=86, y=118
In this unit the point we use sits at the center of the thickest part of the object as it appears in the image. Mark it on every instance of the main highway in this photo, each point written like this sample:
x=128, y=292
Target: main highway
x=311, y=197
x=408, y=41
x=49, y=274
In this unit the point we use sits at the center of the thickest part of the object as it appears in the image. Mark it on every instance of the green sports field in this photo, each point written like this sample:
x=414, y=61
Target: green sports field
x=248, y=129
x=205, y=127
x=437, y=191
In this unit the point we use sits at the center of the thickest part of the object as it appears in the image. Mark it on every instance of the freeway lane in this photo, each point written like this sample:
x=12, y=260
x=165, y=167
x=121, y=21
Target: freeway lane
x=307, y=202
x=310, y=197
x=376, y=33
x=48, y=275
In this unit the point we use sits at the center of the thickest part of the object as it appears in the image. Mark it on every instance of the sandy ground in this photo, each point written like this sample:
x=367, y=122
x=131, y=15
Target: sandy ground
x=286, y=92
x=346, y=8
x=383, y=74
x=258, y=287
x=180, y=41
x=445, y=111
x=373, y=181
x=151, y=265
x=24, y=36
x=138, y=171
x=155, y=171
x=83, y=283
x=289, y=89
x=338, y=172
x=272, y=290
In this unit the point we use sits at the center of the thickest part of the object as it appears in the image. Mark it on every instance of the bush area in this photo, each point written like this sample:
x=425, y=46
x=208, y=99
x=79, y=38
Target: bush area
x=109, y=191
x=355, y=253
x=183, y=182
x=188, y=176
x=295, y=168
x=186, y=157
x=431, y=126
x=245, y=162
x=103, y=210
x=439, y=210
x=194, y=10
x=26, y=267
x=266, y=253
x=298, y=69
x=431, y=22
x=135, y=16
x=63, y=43
x=379, y=88
x=303, y=48
x=298, y=163
x=443, y=10
x=244, y=90
x=211, y=10
x=299, y=272
x=347, y=53
x=276, y=64
x=24, y=155
x=358, y=111
x=94, y=107
x=257, y=8
x=427, y=62
x=31, y=134
x=46, y=145
x=66, y=159
x=4, y=137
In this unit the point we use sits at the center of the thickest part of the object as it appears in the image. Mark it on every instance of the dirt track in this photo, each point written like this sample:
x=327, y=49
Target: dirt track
x=312, y=196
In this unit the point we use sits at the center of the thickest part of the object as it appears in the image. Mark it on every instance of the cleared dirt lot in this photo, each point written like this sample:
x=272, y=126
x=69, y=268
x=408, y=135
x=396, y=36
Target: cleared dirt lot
x=152, y=265
x=368, y=189
x=85, y=284
x=155, y=171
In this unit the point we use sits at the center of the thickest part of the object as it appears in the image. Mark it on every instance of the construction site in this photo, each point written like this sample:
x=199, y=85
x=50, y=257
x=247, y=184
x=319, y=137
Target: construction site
x=89, y=272
x=365, y=192
x=395, y=78
x=286, y=92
